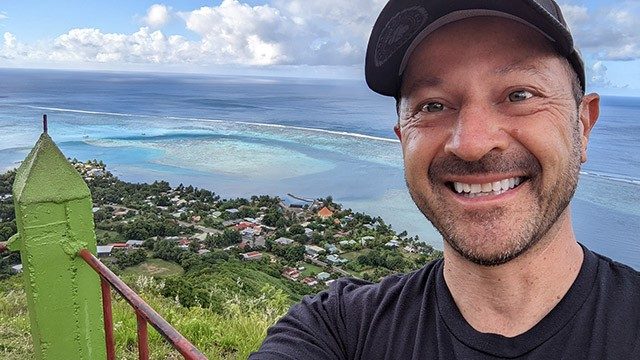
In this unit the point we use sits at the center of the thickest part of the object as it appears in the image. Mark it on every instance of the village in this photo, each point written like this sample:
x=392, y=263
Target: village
x=309, y=241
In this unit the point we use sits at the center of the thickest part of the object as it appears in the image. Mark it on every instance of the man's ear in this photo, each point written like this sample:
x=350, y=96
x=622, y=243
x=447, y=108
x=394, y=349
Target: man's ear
x=588, y=112
x=396, y=129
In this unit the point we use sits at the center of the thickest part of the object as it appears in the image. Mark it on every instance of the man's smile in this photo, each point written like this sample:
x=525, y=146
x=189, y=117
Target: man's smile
x=473, y=190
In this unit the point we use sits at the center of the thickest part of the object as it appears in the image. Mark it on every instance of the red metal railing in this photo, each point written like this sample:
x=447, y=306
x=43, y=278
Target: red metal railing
x=3, y=247
x=144, y=313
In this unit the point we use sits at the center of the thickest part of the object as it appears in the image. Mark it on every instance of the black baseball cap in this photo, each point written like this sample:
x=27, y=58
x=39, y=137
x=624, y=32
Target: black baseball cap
x=403, y=24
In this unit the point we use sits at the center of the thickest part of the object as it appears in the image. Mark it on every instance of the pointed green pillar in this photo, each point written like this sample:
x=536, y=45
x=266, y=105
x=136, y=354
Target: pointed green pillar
x=54, y=219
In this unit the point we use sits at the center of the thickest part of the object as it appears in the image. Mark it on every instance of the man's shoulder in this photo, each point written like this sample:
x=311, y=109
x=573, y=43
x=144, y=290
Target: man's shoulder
x=615, y=269
x=616, y=276
x=351, y=289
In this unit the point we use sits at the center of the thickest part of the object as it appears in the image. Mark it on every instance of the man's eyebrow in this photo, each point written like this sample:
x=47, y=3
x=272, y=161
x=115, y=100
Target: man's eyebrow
x=423, y=82
x=521, y=67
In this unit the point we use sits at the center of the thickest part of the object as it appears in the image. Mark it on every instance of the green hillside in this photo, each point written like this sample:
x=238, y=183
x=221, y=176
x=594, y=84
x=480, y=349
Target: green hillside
x=231, y=332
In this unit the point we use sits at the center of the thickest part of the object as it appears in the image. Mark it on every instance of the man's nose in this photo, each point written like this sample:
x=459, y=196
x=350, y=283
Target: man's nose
x=476, y=131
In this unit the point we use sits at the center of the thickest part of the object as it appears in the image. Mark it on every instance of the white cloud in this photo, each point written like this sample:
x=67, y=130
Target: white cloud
x=298, y=33
x=3, y=15
x=238, y=33
x=609, y=33
x=284, y=32
x=293, y=32
x=598, y=75
x=9, y=40
x=157, y=16
x=143, y=46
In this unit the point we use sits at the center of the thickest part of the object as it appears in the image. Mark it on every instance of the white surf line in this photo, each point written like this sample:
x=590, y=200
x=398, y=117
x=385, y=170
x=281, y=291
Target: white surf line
x=612, y=177
x=333, y=132
x=280, y=126
x=86, y=111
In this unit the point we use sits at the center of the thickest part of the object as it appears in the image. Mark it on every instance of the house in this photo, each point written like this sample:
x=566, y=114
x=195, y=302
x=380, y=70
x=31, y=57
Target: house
x=323, y=276
x=410, y=249
x=243, y=225
x=313, y=250
x=291, y=273
x=309, y=281
x=216, y=214
x=392, y=244
x=232, y=211
x=248, y=232
x=325, y=213
x=119, y=245
x=229, y=223
x=284, y=241
x=335, y=260
x=254, y=255
x=201, y=236
x=348, y=243
x=135, y=243
x=331, y=249
x=259, y=241
x=104, y=250
x=120, y=213
x=16, y=269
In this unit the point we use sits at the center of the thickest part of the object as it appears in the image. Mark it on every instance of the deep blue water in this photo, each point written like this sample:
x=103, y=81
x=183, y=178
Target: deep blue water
x=240, y=136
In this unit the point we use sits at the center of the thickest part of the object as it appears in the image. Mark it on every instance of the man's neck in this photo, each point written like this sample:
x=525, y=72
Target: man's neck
x=512, y=298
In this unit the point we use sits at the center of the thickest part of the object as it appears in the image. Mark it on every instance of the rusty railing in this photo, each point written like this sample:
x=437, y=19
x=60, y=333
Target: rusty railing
x=144, y=313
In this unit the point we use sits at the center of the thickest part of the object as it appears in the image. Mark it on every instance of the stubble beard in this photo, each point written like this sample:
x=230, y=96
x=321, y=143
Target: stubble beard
x=483, y=237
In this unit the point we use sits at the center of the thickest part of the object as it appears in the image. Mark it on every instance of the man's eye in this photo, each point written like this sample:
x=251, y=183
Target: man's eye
x=433, y=107
x=519, y=95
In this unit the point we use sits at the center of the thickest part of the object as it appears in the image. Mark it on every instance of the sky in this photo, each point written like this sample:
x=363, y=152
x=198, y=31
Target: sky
x=310, y=38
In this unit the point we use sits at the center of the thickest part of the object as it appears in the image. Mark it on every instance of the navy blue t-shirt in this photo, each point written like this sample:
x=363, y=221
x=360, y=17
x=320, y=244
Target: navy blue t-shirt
x=413, y=316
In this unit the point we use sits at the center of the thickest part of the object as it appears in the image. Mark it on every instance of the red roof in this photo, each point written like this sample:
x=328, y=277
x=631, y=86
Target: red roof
x=243, y=225
x=325, y=212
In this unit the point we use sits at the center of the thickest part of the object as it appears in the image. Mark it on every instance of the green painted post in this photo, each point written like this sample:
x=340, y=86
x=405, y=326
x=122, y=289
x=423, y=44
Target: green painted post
x=54, y=219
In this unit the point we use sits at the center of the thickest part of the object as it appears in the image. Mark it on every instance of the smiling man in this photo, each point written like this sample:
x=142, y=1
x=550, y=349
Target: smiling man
x=494, y=126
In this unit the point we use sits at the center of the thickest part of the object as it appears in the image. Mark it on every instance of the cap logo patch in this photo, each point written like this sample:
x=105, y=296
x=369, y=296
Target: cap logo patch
x=398, y=31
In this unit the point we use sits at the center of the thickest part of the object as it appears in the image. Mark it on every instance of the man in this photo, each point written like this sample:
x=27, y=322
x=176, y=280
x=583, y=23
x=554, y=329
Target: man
x=494, y=127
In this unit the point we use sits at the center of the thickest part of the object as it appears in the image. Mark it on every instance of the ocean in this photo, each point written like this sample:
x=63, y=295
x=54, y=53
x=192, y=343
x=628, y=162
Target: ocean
x=243, y=136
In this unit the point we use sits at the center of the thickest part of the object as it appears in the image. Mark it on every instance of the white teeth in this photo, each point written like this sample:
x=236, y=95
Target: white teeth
x=496, y=187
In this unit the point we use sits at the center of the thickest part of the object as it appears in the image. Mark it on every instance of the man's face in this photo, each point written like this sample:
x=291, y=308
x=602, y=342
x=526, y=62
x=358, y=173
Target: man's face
x=491, y=136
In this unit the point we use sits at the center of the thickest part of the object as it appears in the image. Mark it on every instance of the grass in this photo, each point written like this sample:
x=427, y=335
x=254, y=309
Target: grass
x=311, y=269
x=232, y=334
x=155, y=268
x=15, y=338
x=353, y=255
